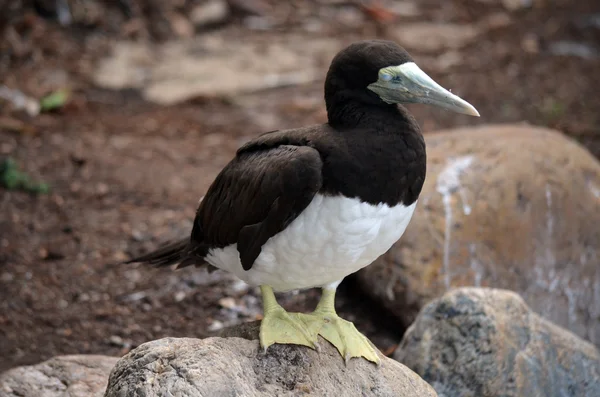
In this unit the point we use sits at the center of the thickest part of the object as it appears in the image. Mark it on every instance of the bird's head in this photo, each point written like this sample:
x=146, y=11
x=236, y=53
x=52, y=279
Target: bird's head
x=382, y=72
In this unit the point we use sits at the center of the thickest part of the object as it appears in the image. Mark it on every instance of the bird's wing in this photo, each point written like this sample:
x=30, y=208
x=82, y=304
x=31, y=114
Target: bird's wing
x=261, y=191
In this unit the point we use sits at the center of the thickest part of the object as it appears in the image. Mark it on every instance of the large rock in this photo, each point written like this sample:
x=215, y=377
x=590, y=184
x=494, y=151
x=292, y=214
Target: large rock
x=234, y=366
x=512, y=207
x=213, y=65
x=487, y=342
x=62, y=376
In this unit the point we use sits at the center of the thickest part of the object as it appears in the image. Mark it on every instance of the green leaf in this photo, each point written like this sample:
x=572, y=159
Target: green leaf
x=55, y=100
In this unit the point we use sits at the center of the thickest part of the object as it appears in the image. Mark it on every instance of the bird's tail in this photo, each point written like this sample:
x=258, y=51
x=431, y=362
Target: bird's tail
x=167, y=255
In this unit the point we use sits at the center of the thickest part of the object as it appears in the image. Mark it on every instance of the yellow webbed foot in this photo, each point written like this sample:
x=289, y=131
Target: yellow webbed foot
x=279, y=326
x=346, y=338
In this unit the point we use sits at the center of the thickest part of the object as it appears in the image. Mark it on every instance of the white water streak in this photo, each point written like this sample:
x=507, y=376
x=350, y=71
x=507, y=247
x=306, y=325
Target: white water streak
x=475, y=265
x=595, y=190
x=448, y=183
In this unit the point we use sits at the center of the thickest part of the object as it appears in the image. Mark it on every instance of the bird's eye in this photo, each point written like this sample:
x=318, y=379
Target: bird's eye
x=386, y=77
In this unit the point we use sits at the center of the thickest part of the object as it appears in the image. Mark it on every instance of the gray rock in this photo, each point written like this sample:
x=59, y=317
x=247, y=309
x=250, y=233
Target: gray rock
x=68, y=376
x=210, y=66
x=487, y=342
x=435, y=37
x=503, y=206
x=233, y=366
x=210, y=12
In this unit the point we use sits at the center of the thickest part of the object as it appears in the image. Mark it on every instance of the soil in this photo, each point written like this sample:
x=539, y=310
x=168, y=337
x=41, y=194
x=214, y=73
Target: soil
x=126, y=174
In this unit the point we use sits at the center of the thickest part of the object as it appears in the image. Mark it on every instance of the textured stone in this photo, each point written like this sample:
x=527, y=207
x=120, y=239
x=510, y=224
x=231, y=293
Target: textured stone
x=486, y=342
x=434, y=37
x=234, y=366
x=213, y=65
x=512, y=207
x=62, y=376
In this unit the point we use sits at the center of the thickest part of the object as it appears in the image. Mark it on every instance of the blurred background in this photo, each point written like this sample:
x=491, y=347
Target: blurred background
x=116, y=115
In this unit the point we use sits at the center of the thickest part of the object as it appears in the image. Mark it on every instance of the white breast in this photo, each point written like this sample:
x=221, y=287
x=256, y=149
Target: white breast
x=332, y=238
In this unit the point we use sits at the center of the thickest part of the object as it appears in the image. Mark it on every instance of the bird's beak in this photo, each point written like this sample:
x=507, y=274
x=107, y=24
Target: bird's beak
x=407, y=83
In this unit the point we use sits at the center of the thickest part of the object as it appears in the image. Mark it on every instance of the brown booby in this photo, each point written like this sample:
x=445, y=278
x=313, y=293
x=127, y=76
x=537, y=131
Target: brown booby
x=306, y=207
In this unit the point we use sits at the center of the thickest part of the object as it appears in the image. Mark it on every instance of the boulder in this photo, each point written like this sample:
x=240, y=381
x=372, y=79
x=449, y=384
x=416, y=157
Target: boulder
x=68, y=376
x=234, y=366
x=511, y=206
x=487, y=342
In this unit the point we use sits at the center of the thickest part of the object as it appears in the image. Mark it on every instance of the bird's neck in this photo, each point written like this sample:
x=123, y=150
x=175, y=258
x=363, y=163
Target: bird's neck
x=384, y=160
x=346, y=112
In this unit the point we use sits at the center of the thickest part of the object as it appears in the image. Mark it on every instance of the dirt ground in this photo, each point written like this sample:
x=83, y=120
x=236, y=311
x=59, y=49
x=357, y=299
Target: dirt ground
x=126, y=174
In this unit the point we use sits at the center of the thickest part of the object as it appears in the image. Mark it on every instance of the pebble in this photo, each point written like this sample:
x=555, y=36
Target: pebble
x=228, y=303
x=102, y=188
x=179, y=296
x=215, y=326
x=116, y=340
x=211, y=12
x=514, y=5
x=570, y=48
x=7, y=277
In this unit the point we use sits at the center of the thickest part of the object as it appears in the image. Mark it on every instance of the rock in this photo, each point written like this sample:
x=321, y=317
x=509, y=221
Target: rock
x=514, y=5
x=234, y=366
x=213, y=65
x=437, y=39
x=573, y=49
x=210, y=13
x=487, y=342
x=509, y=206
x=434, y=37
x=68, y=376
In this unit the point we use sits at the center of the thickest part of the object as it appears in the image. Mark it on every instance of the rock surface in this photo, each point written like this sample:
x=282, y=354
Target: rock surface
x=68, y=376
x=487, y=342
x=213, y=65
x=234, y=366
x=509, y=206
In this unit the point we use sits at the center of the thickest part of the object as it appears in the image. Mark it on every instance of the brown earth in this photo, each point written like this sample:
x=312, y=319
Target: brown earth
x=126, y=174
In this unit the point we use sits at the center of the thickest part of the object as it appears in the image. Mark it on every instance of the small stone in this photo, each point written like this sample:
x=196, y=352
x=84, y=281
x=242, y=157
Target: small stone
x=7, y=277
x=102, y=188
x=496, y=21
x=181, y=25
x=216, y=325
x=228, y=303
x=43, y=253
x=120, y=256
x=514, y=5
x=571, y=48
x=211, y=12
x=116, y=340
x=179, y=296
x=258, y=23
x=84, y=297
x=137, y=235
x=350, y=17
x=530, y=43
x=404, y=8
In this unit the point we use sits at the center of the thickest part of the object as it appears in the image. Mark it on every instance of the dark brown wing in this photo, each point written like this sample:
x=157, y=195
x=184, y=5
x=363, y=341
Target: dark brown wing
x=266, y=186
x=256, y=196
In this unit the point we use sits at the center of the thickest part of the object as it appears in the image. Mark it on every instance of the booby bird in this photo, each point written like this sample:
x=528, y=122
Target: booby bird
x=306, y=207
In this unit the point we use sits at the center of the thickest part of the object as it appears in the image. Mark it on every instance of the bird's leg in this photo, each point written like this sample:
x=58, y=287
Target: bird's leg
x=279, y=326
x=341, y=333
